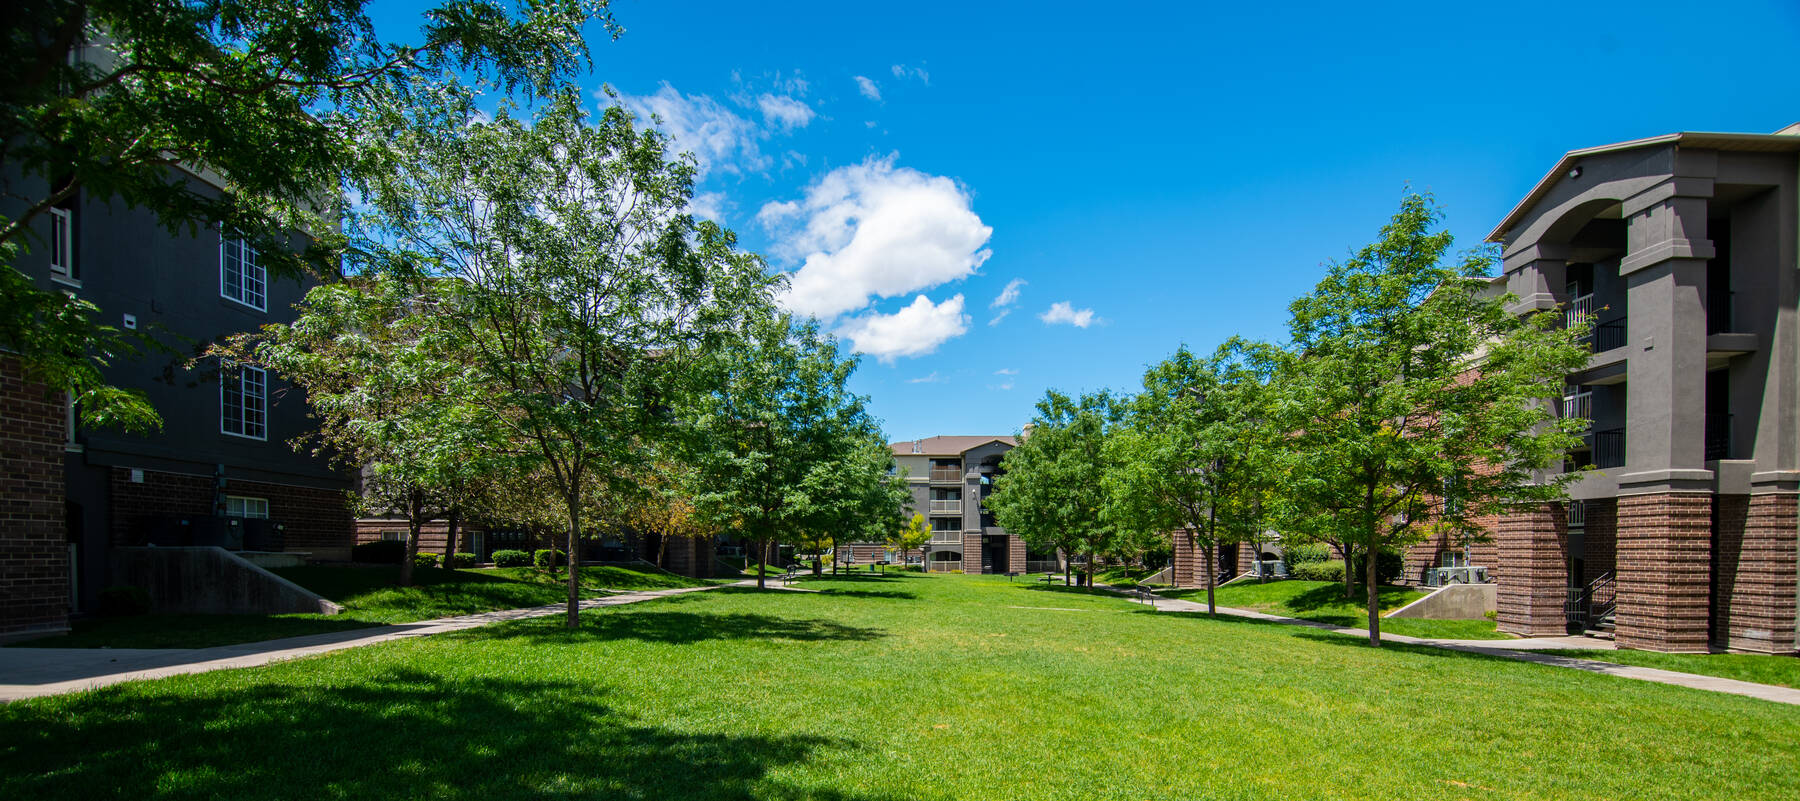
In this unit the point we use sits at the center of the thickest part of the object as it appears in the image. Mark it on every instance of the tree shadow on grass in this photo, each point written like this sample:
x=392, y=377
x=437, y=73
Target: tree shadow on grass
x=1317, y=631
x=400, y=733
x=678, y=628
x=1332, y=596
x=1039, y=586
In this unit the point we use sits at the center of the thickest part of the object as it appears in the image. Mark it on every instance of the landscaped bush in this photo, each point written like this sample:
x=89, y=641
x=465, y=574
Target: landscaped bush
x=1331, y=570
x=460, y=559
x=124, y=600
x=550, y=558
x=512, y=558
x=425, y=560
x=1305, y=553
x=379, y=552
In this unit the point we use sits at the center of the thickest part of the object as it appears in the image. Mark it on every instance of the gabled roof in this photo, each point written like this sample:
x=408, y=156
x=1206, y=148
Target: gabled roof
x=947, y=446
x=1785, y=140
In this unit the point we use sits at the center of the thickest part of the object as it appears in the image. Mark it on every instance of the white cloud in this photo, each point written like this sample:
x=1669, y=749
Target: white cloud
x=786, y=112
x=1007, y=371
x=873, y=230
x=915, y=330
x=868, y=88
x=1062, y=312
x=902, y=71
x=926, y=379
x=698, y=124
x=708, y=206
x=1005, y=300
x=1002, y=386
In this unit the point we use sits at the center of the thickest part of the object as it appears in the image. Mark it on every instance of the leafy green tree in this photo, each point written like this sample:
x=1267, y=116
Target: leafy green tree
x=915, y=534
x=781, y=447
x=1416, y=399
x=120, y=100
x=1192, y=456
x=578, y=291
x=1053, y=491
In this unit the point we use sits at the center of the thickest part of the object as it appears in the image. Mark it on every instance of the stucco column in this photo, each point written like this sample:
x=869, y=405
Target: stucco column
x=1665, y=271
x=1537, y=274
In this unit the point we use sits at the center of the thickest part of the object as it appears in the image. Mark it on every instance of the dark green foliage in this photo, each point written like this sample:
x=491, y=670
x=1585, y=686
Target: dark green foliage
x=460, y=559
x=425, y=560
x=124, y=600
x=1328, y=570
x=547, y=557
x=511, y=558
x=379, y=552
x=1301, y=553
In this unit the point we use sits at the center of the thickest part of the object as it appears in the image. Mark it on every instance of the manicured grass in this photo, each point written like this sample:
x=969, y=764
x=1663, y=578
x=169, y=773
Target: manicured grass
x=1324, y=601
x=1782, y=671
x=898, y=687
x=370, y=598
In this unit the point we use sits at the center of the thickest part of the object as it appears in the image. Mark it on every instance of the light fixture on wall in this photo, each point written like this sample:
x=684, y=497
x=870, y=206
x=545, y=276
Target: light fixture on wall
x=1575, y=172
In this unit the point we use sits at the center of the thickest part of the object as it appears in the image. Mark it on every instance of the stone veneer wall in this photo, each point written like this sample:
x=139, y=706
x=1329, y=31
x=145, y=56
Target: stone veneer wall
x=1532, y=548
x=34, y=551
x=1664, y=571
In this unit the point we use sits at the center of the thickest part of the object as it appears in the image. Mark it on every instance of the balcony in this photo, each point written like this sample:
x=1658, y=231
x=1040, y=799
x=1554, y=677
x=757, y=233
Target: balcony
x=1607, y=447
x=946, y=537
x=946, y=506
x=1718, y=437
x=1607, y=336
x=950, y=474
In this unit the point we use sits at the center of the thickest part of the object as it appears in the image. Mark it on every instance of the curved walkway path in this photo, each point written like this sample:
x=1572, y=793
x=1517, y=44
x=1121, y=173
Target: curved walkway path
x=1521, y=650
x=36, y=672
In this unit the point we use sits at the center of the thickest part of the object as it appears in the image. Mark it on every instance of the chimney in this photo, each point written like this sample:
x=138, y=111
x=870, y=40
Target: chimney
x=918, y=446
x=1026, y=433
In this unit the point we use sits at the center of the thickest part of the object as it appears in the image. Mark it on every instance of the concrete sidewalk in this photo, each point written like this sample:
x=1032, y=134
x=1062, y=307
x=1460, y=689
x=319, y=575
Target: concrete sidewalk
x=1521, y=650
x=36, y=672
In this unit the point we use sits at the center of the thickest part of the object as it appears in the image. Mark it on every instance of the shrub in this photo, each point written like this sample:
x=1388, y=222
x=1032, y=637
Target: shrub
x=460, y=559
x=512, y=558
x=425, y=560
x=124, y=600
x=379, y=552
x=553, y=558
x=1303, y=553
x=1332, y=570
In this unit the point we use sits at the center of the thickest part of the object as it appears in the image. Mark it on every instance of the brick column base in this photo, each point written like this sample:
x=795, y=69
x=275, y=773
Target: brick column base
x=1755, y=598
x=1015, y=554
x=971, y=560
x=1186, y=561
x=34, y=549
x=1664, y=571
x=1533, y=561
x=1246, y=557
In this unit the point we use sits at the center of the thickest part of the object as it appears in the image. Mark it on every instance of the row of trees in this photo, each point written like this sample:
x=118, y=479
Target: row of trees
x=516, y=317
x=1407, y=404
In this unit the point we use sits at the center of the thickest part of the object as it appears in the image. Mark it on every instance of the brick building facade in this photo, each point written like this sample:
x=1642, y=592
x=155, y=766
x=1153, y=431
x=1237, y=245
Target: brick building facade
x=34, y=547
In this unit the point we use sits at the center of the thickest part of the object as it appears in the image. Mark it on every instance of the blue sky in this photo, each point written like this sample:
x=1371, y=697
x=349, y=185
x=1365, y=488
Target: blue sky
x=1172, y=174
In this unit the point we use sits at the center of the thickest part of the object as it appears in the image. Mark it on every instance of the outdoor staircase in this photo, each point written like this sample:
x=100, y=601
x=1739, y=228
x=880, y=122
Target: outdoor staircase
x=1593, y=607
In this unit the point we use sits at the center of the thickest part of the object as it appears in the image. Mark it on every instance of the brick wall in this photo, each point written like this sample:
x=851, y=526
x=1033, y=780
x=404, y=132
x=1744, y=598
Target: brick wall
x=1664, y=571
x=1532, y=553
x=1015, y=554
x=689, y=556
x=1187, y=561
x=1754, y=595
x=971, y=553
x=317, y=521
x=431, y=535
x=34, y=551
x=1423, y=556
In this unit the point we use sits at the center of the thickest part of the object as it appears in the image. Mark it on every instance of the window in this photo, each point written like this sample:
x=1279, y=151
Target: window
x=236, y=506
x=244, y=402
x=62, y=244
x=241, y=278
x=393, y=536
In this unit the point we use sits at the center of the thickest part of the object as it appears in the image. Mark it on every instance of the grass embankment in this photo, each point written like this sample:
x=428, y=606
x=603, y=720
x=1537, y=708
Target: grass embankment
x=904, y=686
x=1324, y=601
x=1783, y=671
x=370, y=597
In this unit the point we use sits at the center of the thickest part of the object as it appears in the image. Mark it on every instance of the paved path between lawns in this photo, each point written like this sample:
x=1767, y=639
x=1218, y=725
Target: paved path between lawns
x=1522, y=650
x=37, y=672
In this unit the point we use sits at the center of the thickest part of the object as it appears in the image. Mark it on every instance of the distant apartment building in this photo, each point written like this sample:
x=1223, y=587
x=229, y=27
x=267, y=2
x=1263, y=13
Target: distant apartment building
x=950, y=478
x=220, y=471
x=1680, y=250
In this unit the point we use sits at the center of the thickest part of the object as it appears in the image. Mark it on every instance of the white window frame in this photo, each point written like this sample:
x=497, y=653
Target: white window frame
x=246, y=507
x=393, y=536
x=249, y=271
x=236, y=374
x=62, y=246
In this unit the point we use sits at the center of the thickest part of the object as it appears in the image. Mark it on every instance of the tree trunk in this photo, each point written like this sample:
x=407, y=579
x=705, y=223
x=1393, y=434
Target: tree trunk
x=662, y=551
x=413, y=523
x=1349, y=552
x=1212, y=578
x=1374, y=598
x=762, y=564
x=450, y=520
x=573, y=618
x=1089, y=581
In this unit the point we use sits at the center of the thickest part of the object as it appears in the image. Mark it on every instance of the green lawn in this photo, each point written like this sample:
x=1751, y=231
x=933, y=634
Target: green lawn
x=370, y=598
x=1324, y=601
x=1760, y=668
x=908, y=686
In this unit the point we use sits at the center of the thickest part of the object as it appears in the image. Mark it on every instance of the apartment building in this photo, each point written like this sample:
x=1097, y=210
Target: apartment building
x=1681, y=250
x=221, y=470
x=950, y=477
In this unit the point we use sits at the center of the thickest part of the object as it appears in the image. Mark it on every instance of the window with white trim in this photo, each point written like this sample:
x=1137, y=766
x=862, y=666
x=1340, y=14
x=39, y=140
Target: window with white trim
x=238, y=506
x=241, y=275
x=393, y=536
x=62, y=244
x=244, y=402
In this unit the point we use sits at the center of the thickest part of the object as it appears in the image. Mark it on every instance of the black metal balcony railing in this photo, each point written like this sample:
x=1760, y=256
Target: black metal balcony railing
x=1608, y=335
x=1607, y=447
x=1718, y=436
